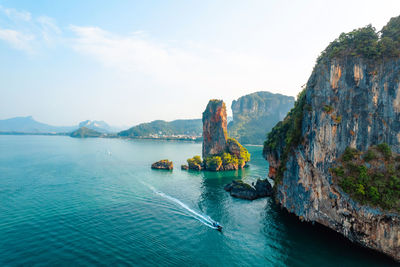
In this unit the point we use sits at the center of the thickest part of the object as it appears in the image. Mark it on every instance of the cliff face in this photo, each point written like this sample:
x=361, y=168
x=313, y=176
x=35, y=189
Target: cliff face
x=255, y=114
x=215, y=134
x=352, y=99
x=348, y=102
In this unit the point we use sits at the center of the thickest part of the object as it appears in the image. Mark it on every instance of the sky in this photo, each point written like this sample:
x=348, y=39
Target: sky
x=127, y=62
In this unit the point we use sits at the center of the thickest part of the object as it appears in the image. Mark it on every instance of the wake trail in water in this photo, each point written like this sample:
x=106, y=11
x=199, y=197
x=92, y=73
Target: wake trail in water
x=204, y=219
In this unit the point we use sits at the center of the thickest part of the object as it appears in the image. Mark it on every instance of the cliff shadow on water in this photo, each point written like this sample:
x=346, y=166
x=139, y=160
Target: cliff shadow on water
x=324, y=246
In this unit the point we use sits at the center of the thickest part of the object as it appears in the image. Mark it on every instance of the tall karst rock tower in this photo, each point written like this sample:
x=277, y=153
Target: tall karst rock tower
x=215, y=134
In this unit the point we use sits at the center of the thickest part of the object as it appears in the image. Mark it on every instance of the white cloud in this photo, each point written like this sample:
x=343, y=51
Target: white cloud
x=188, y=64
x=15, y=14
x=25, y=33
x=48, y=28
x=17, y=39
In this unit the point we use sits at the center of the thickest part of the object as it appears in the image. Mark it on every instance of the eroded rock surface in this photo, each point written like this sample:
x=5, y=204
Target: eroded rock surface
x=364, y=113
x=349, y=101
x=215, y=133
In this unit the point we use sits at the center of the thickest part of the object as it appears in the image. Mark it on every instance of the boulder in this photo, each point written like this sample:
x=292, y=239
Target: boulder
x=240, y=189
x=263, y=188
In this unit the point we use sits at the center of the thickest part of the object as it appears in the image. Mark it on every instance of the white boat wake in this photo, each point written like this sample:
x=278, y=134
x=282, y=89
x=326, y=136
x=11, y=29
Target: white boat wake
x=204, y=219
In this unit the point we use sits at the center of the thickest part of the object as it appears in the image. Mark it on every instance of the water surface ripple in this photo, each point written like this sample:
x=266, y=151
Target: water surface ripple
x=80, y=202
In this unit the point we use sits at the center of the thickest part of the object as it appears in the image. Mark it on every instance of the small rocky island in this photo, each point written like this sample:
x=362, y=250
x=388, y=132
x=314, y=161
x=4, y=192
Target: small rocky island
x=240, y=189
x=163, y=164
x=220, y=152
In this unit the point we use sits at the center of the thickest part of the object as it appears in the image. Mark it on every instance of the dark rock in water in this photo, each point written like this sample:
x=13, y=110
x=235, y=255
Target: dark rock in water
x=184, y=167
x=264, y=188
x=163, y=165
x=215, y=134
x=240, y=189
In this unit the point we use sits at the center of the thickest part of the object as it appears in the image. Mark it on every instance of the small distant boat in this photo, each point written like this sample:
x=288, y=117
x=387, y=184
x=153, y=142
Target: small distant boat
x=217, y=226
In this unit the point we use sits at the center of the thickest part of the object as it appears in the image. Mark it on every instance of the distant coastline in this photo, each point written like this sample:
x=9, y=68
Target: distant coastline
x=167, y=138
x=23, y=133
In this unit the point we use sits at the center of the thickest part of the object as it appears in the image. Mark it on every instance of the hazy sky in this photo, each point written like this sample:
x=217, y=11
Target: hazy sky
x=128, y=62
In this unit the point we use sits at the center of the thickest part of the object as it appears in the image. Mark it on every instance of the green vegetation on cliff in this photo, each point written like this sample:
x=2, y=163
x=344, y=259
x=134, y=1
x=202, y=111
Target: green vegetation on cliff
x=286, y=134
x=213, y=163
x=255, y=114
x=195, y=163
x=237, y=151
x=371, y=177
x=367, y=42
x=234, y=157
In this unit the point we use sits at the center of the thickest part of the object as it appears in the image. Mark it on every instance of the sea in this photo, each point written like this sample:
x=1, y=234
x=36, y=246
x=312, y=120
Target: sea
x=96, y=202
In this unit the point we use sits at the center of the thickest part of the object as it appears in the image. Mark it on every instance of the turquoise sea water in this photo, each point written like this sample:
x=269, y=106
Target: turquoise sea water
x=66, y=201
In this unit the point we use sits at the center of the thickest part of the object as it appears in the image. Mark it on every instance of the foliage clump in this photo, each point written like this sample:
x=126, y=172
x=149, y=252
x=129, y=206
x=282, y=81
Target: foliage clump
x=233, y=145
x=286, y=134
x=385, y=150
x=371, y=177
x=234, y=157
x=328, y=109
x=229, y=159
x=366, y=42
x=195, y=163
x=350, y=153
x=213, y=163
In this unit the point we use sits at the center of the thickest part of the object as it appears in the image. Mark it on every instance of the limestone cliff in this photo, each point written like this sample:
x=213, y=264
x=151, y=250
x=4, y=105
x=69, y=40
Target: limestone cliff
x=215, y=134
x=255, y=114
x=351, y=100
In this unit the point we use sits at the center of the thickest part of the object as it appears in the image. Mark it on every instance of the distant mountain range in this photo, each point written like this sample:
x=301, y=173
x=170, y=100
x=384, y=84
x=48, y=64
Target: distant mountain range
x=253, y=117
x=29, y=125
